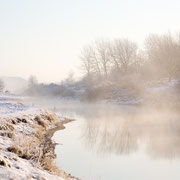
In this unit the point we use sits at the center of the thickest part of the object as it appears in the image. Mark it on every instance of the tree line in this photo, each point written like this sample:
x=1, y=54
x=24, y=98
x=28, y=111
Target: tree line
x=118, y=69
x=113, y=60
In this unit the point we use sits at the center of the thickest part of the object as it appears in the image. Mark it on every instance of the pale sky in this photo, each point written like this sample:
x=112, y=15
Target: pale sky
x=44, y=37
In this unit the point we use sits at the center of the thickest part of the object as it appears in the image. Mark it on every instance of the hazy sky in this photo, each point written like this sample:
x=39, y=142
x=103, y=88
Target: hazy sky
x=45, y=37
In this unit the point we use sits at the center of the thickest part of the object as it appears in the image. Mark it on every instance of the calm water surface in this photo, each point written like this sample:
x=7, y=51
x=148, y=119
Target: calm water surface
x=119, y=142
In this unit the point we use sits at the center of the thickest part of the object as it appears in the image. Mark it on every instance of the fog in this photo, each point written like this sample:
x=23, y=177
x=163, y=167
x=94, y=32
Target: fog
x=125, y=131
x=116, y=70
x=112, y=66
x=115, y=136
x=122, y=129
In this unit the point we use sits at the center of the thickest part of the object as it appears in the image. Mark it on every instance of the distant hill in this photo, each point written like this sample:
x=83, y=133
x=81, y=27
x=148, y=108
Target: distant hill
x=14, y=84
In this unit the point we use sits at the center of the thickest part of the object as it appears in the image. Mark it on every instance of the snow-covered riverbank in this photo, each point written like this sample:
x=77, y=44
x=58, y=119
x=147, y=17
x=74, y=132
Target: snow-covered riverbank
x=26, y=149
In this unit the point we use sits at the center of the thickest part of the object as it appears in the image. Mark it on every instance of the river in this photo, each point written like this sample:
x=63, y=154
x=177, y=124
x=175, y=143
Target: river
x=113, y=142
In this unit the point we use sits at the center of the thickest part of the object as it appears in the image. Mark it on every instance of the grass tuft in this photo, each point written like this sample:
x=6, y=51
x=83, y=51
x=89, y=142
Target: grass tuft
x=40, y=121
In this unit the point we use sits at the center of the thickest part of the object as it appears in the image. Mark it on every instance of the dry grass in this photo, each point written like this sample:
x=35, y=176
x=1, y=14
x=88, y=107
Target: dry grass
x=6, y=126
x=48, y=164
x=6, y=129
x=19, y=120
x=7, y=134
x=16, y=150
x=37, y=147
x=49, y=117
x=13, y=121
x=40, y=121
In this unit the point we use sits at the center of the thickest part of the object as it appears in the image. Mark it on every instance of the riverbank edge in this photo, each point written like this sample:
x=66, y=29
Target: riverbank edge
x=48, y=137
x=44, y=124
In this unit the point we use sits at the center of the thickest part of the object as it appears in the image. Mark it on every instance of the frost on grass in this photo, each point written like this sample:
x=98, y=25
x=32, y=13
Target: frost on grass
x=26, y=152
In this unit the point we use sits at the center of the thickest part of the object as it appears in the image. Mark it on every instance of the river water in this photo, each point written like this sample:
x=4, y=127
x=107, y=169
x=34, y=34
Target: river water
x=109, y=142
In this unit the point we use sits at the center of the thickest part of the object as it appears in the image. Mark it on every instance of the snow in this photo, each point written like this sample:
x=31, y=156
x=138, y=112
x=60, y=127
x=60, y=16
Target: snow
x=7, y=108
x=21, y=169
x=16, y=167
x=164, y=86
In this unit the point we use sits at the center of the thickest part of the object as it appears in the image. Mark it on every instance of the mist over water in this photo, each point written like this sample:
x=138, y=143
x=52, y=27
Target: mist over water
x=117, y=142
x=123, y=131
x=112, y=66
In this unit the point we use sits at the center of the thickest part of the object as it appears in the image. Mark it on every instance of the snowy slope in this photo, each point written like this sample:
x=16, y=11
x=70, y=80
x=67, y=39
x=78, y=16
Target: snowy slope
x=17, y=127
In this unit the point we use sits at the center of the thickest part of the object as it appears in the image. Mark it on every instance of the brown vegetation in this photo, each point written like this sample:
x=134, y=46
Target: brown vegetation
x=36, y=147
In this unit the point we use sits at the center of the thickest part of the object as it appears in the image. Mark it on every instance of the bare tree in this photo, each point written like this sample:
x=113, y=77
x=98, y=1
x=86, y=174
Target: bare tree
x=164, y=53
x=139, y=60
x=87, y=60
x=96, y=63
x=103, y=56
x=113, y=56
x=124, y=53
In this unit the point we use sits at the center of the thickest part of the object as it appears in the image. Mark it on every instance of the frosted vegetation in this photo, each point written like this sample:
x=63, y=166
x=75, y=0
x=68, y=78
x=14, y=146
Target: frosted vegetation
x=120, y=71
x=115, y=71
x=26, y=152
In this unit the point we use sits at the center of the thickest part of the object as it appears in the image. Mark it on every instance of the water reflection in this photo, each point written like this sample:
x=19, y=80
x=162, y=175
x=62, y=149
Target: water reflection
x=108, y=142
x=123, y=131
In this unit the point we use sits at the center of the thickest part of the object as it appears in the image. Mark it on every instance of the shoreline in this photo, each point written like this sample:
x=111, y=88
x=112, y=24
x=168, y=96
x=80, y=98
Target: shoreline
x=26, y=147
x=48, y=137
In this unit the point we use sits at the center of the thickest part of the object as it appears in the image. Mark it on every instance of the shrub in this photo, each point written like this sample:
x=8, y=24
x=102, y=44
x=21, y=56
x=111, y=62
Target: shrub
x=40, y=121
x=6, y=127
x=15, y=150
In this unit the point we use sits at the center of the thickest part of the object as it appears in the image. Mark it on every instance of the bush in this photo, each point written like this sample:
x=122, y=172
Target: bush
x=40, y=121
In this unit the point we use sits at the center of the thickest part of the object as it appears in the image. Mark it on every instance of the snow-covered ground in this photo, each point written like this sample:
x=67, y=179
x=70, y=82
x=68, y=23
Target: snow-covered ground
x=164, y=86
x=18, y=127
x=20, y=169
x=164, y=93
